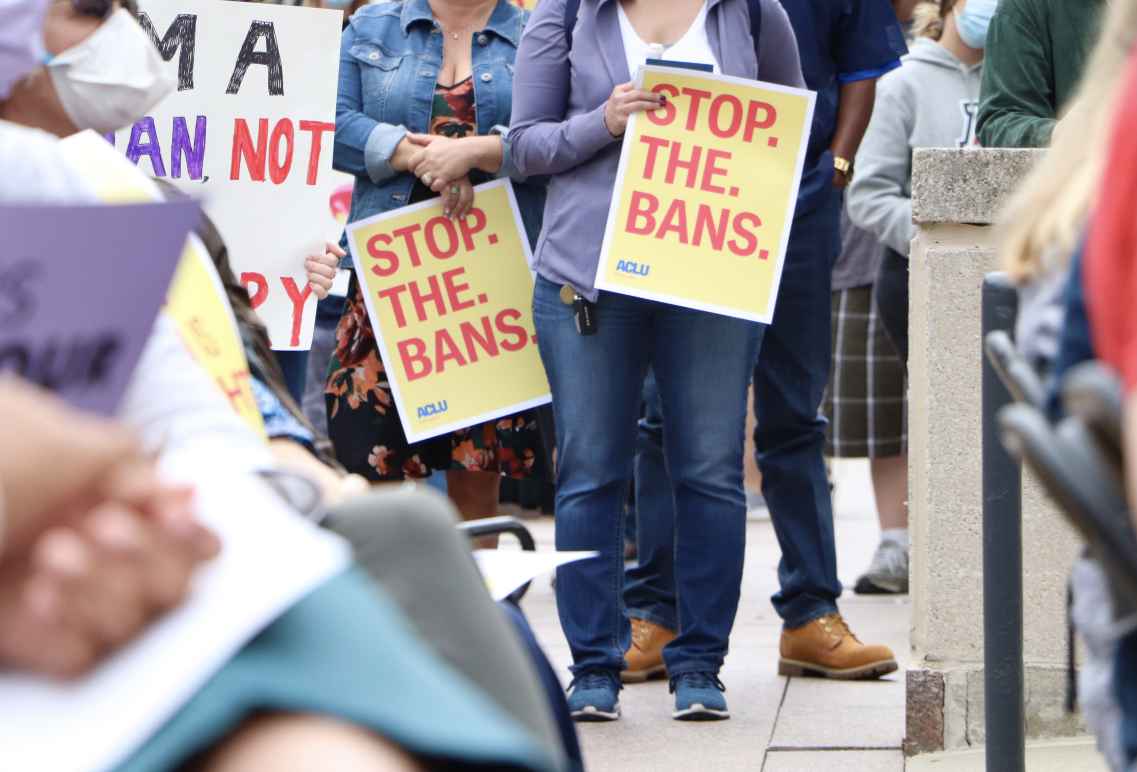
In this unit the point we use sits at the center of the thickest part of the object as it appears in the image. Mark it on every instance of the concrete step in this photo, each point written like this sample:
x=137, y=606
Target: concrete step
x=1074, y=755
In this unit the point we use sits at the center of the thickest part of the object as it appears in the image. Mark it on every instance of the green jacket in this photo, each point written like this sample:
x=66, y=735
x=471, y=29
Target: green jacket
x=1036, y=52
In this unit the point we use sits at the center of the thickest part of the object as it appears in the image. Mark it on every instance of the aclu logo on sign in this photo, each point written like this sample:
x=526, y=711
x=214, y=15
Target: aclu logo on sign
x=633, y=268
x=433, y=409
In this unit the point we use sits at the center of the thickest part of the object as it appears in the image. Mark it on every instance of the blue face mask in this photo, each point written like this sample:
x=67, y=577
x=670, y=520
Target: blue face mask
x=974, y=20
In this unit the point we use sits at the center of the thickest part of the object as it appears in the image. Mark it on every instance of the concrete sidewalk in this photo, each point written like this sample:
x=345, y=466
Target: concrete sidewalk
x=778, y=724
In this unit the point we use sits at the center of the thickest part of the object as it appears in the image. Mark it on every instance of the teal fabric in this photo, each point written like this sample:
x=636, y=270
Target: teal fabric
x=345, y=651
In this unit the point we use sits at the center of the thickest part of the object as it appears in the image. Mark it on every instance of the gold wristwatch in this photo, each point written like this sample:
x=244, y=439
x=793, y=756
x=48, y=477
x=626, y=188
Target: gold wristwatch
x=843, y=165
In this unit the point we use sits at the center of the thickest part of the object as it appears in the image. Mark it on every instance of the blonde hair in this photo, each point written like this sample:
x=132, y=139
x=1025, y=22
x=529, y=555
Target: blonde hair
x=1047, y=214
x=928, y=18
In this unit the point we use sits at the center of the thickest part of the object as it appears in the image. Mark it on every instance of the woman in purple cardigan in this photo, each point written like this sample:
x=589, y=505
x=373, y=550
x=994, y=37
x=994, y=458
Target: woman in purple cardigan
x=571, y=102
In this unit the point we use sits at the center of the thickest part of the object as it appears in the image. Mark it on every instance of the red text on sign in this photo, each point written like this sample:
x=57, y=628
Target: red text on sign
x=297, y=296
x=724, y=115
x=275, y=149
x=482, y=338
x=704, y=225
x=442, y=293
x=676, y=163
x=440, y=237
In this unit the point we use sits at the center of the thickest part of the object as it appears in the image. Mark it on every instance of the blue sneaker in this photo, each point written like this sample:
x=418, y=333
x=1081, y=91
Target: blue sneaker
x=594, y=696
x=698, y=697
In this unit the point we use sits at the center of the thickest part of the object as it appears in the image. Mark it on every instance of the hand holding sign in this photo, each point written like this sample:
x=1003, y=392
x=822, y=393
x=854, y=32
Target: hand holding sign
x=705, y=193
x=322, y=269
x=625, y=101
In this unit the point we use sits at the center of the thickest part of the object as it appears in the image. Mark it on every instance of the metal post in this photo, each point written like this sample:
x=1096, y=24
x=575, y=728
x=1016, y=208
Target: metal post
x=1002, y=556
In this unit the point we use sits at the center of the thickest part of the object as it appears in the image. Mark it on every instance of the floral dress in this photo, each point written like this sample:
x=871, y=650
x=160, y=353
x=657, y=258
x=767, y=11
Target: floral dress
x=363, y=423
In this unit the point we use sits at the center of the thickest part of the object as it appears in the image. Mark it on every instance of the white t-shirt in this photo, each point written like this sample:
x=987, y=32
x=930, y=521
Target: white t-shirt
x=694, y=47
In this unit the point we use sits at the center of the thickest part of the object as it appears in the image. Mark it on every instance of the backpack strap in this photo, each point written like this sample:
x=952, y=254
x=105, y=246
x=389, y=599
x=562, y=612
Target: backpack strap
x=572, y=9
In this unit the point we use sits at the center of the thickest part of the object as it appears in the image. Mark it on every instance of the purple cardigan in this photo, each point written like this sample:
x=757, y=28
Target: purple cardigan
x=558, y=128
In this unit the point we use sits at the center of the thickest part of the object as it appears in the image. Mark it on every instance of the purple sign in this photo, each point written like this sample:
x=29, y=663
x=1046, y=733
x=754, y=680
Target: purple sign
x=80, y=287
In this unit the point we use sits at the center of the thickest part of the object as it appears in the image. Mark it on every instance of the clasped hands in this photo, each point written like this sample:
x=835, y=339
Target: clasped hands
x=444, y=165
x=96, y=545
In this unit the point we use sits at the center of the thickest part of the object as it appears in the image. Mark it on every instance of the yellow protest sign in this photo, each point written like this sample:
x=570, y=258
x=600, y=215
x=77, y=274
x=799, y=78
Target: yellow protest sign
x=450, y=305
x=196, y=300
x=705, y=193
x=198, y=304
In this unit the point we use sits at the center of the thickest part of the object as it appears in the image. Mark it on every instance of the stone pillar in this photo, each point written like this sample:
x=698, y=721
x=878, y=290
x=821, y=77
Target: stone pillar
x=957, y=195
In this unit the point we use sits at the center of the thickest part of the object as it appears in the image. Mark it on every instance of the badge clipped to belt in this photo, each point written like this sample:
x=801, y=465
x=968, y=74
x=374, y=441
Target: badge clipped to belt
x=584, y=311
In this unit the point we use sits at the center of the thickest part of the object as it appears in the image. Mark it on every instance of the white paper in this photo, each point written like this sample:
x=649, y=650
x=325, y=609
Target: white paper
x=271, y=557
x=506, y=570
x=270, y=224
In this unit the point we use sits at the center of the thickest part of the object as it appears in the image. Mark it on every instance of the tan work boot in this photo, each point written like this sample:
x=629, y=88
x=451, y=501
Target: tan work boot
x=826, y=648
x=645, y=655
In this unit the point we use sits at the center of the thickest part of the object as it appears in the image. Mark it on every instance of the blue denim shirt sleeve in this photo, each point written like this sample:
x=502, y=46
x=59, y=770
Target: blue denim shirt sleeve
x=541, y=140
x=363, y=145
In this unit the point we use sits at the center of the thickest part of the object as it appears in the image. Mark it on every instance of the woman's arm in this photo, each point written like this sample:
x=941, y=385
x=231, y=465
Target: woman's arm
x=336, y=487
x=363, y=145
x=440, y=161
x=879, y=197
x=779, y=58
x=541, y=140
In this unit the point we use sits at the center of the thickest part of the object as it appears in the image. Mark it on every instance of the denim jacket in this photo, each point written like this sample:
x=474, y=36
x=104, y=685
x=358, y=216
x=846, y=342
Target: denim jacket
x=390, y=56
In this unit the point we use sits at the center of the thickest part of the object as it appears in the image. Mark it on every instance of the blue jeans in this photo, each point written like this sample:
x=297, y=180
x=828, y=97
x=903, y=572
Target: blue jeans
x=789, y=383
x=649, y=588
x=1125, y=691
x=294, y=366
x=702, y=363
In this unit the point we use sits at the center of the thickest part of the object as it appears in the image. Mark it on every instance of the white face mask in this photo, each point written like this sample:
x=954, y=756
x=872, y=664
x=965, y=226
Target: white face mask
x=21, y=40
x=112, y=78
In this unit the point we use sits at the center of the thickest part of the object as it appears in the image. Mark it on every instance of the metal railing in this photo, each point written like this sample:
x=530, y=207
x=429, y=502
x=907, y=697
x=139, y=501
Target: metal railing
x=1003, y=666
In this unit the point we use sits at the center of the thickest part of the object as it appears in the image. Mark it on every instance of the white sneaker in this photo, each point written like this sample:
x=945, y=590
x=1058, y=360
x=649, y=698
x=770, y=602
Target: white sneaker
x=888, y=572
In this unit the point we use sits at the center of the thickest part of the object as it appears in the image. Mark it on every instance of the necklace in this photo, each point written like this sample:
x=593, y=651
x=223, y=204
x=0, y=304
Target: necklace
x=452, y=33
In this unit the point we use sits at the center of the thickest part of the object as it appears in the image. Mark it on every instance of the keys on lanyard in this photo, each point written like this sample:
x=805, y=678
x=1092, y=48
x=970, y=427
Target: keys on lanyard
x=584, y=312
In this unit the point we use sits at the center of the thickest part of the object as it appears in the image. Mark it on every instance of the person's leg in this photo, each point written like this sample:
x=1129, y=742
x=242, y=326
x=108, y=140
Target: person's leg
x=890, y=488
x=649, y=590
x=596, y=382
x=328, y=313
x=1125, y=690
x=476, y=495
x=789, y=382
x=888, y=463
x=887, y=573
x=405, y=537
x=287, y=742
x=294, y=365
x=891, y=295
x=703, y=364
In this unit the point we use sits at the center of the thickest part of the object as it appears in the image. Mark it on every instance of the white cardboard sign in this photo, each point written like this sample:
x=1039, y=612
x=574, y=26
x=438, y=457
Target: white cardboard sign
x=250, y=130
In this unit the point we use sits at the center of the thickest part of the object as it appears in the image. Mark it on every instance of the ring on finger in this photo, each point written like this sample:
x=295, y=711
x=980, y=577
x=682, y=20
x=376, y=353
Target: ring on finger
x=455, y=190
